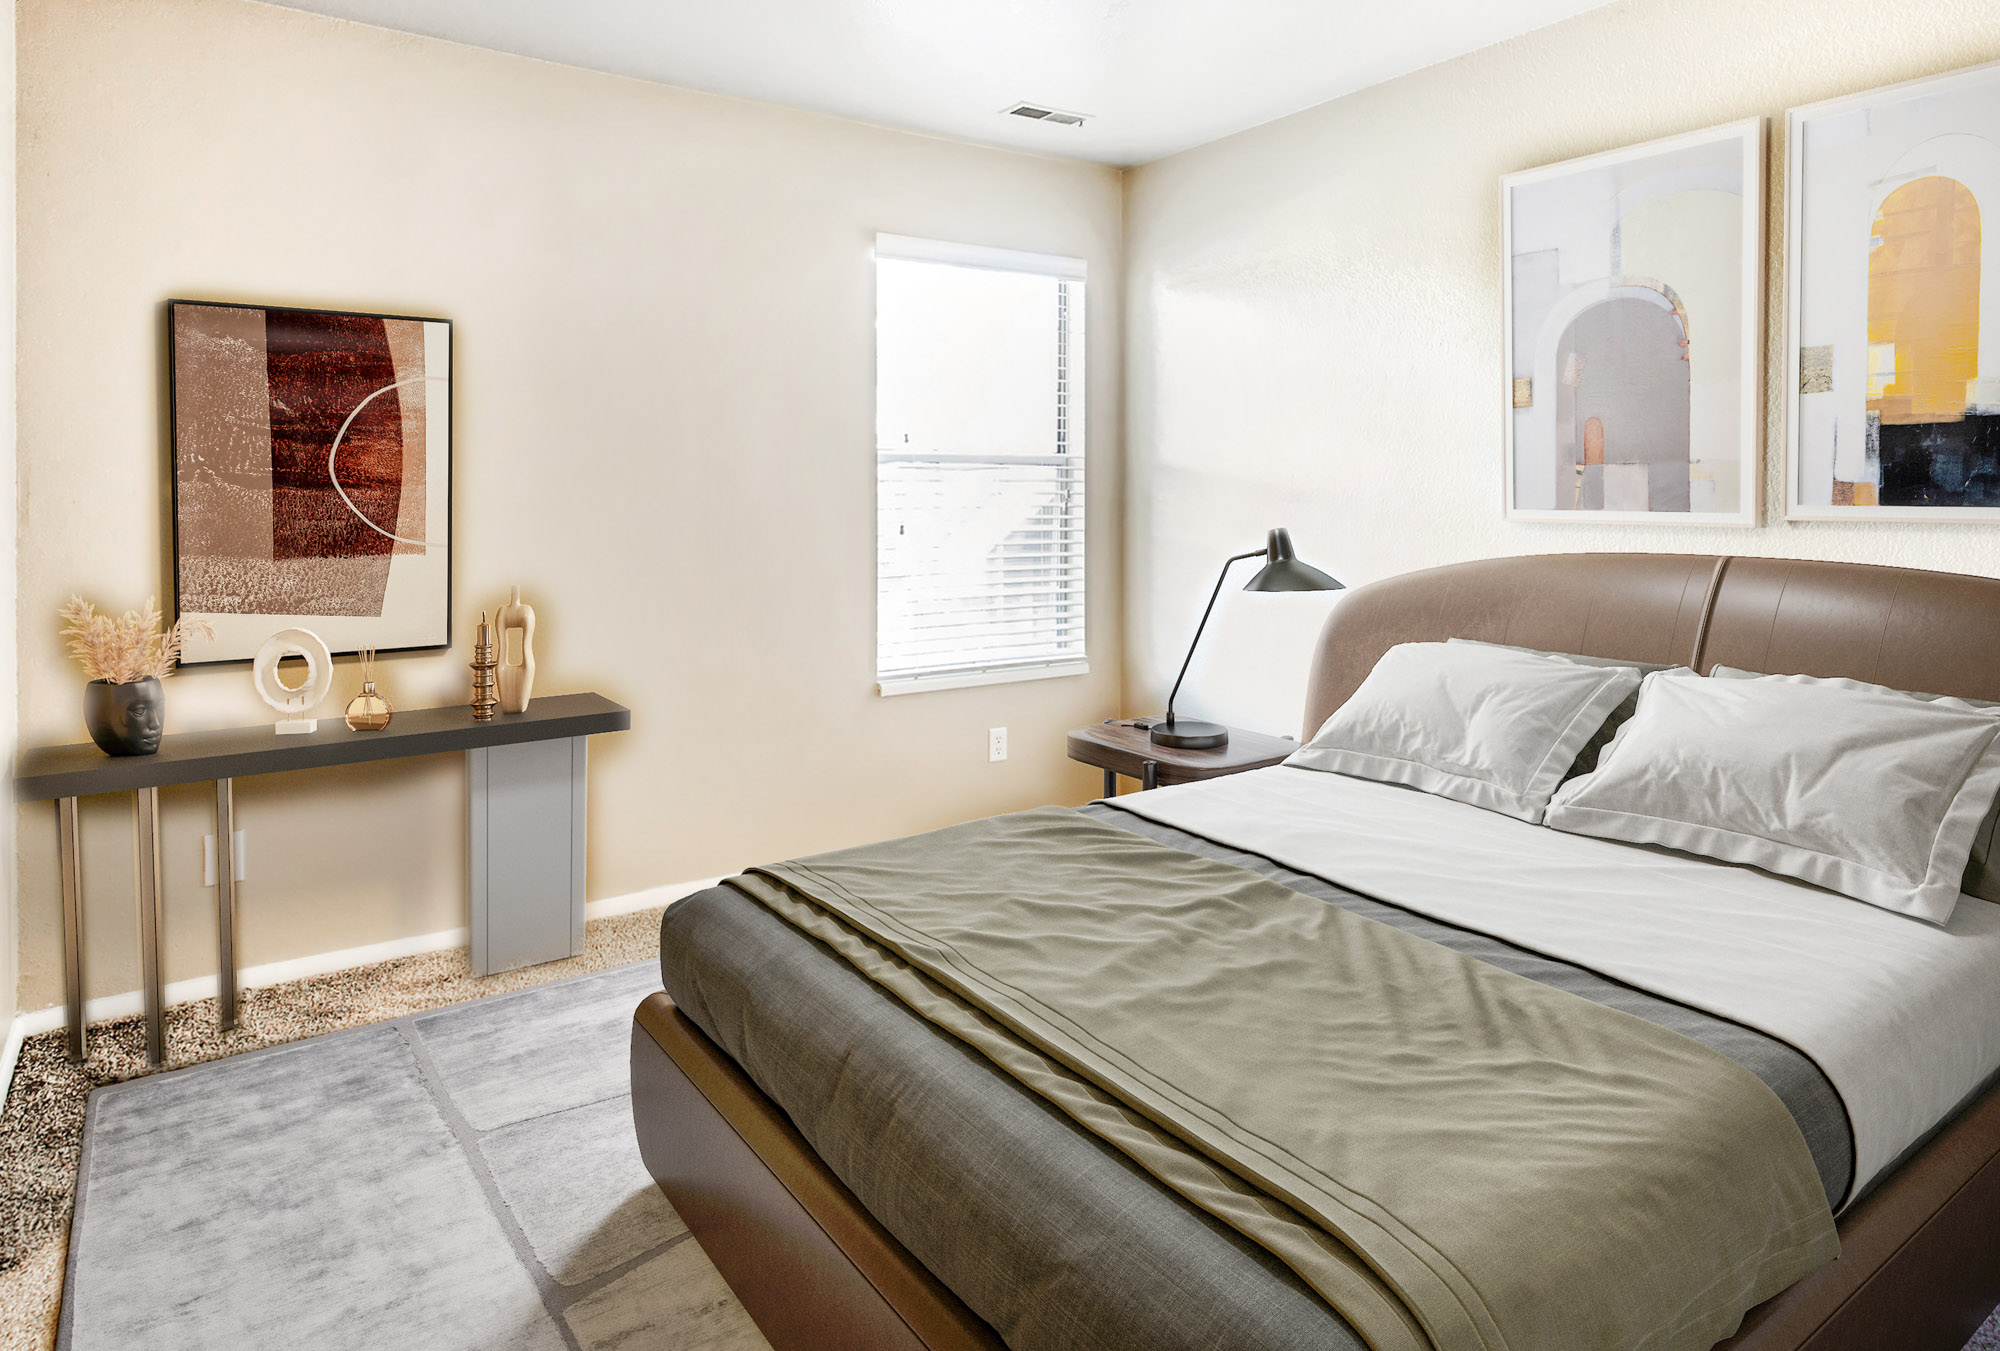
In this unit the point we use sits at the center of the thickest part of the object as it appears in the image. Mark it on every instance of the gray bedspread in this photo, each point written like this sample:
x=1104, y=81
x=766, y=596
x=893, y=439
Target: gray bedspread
x=1056, y=1239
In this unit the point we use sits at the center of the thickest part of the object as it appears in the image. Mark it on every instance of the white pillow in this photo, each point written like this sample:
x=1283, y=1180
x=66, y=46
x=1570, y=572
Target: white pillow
x=1853, y=787
x=1492, y=726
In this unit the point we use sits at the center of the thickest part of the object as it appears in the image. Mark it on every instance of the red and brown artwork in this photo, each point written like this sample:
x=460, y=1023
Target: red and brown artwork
x=311, y=464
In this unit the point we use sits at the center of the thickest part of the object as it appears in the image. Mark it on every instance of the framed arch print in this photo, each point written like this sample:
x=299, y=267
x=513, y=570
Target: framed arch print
x=1893, y=284
x=311, y=477
x=1632, y=297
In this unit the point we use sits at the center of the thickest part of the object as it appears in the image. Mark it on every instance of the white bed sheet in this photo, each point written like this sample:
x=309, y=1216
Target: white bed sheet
x=1903, y=1016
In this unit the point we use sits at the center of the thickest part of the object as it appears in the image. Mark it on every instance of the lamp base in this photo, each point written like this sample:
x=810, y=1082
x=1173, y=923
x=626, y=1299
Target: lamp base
x=1188, y=735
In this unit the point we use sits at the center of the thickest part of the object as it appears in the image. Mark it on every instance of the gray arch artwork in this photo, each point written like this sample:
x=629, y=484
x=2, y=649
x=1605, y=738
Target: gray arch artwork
x=1632, y=290
x=1622, y=408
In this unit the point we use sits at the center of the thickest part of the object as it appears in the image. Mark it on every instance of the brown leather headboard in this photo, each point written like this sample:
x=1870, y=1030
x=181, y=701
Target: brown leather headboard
x=1938, y=632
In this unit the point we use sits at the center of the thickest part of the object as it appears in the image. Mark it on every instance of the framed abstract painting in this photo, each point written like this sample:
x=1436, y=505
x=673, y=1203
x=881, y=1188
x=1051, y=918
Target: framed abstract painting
x=1632, y=293
x=1893, y=333
x=311, y=477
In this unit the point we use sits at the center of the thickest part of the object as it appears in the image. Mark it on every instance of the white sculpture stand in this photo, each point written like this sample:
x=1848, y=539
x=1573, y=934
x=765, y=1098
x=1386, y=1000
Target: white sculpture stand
x=293, y=702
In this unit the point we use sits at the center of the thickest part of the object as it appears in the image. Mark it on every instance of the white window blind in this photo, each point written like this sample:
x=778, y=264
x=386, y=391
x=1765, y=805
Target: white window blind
x=979, y=464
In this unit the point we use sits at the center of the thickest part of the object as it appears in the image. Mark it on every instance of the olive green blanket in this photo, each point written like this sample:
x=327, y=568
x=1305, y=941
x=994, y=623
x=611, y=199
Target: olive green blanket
x=1455, y=1157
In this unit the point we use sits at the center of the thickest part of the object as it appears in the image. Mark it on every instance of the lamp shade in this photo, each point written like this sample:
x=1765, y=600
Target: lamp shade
x=1282, y=570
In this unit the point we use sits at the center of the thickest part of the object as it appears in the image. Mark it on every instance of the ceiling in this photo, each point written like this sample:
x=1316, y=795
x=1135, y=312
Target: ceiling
x=1153, y=76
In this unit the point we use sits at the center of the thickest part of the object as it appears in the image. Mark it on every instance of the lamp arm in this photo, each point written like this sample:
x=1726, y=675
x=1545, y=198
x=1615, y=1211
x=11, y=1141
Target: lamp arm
x=1188, y=660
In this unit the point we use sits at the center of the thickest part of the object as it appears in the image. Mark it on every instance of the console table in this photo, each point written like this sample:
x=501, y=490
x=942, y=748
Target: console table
x=524, y=837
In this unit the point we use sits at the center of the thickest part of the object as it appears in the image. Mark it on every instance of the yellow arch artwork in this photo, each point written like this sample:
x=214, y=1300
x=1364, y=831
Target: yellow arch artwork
x=1923, y=308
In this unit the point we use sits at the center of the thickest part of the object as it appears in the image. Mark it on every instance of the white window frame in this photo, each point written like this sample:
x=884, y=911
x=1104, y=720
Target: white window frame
x=910, y=248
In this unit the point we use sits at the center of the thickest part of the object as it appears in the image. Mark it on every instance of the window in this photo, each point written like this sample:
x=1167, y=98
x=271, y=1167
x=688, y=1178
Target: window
x=979, y=468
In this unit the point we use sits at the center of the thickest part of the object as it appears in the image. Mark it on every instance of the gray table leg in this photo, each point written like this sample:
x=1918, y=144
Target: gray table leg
x=148, y=804
x=1149, y=774
x=1111, y=783
x=225, y=903
x=72, y=924
x=525, y=846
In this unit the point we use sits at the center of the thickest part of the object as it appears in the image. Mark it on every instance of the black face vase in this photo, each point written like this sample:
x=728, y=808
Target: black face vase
x=125, y=719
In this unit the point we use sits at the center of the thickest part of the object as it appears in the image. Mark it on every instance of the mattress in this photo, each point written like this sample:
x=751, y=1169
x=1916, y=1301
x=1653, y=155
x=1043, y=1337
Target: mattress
x=1902, y=1016
x=1055, y=1239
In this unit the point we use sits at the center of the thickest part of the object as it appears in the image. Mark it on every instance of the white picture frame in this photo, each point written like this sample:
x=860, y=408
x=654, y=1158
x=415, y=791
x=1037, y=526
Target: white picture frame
x=1845, y=158
x=1575, y=234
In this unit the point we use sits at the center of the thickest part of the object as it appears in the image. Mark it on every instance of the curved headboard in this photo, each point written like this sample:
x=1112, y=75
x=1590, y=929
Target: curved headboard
x=1938, y=632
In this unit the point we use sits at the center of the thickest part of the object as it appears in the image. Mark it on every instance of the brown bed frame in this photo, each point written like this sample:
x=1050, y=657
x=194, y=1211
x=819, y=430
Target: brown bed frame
x=1919, y=1268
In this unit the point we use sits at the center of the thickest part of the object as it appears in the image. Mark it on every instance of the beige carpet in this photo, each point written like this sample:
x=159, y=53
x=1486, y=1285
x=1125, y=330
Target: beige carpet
x=41, y=1126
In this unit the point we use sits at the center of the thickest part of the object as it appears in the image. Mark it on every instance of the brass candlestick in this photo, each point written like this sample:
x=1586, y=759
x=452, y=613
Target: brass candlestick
x=485, y=690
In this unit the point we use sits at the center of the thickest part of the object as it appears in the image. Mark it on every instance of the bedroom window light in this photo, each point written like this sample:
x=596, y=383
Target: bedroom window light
x=979, y=465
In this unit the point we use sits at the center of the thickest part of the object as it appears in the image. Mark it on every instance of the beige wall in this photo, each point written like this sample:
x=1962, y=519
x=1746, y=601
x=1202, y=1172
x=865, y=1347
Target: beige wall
x=1313, y=317
x=664, y=429
x=9, y=709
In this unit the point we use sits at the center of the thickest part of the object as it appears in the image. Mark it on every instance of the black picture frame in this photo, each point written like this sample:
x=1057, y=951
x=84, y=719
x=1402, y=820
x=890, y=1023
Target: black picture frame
x=169, y=311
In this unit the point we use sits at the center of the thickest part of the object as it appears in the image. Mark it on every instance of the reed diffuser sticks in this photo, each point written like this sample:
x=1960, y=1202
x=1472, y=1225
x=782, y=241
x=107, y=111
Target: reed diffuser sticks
x=368, y=711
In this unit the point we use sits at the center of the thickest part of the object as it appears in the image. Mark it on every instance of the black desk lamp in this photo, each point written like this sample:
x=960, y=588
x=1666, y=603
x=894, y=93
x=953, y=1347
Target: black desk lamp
x=1282, y=571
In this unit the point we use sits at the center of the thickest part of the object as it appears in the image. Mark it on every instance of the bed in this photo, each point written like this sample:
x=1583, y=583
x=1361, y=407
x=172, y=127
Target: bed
x=863, y=1180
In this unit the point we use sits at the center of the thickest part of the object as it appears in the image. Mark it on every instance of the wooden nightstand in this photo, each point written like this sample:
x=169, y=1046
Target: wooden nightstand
x=1120, y=747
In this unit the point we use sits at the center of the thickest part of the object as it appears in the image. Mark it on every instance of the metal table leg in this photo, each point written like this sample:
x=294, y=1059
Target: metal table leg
x=1149, y=774
x=148, y=806
x=225, y=903
x=1110, y=783
x=72, y=924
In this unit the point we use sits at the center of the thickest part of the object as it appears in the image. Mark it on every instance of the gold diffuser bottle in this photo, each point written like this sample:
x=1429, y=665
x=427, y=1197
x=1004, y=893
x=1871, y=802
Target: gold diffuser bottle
x=368, y=711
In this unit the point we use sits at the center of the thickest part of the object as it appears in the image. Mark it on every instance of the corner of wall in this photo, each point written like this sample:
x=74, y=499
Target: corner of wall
x=1127, y=514
x=9, y=645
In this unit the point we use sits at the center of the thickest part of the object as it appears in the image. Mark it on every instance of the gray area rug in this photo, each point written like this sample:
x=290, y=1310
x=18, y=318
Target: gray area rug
x=460, y=1179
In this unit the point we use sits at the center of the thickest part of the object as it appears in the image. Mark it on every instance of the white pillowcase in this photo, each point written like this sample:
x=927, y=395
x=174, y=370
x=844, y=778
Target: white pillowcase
x=1491, y=726
x=1853, y=787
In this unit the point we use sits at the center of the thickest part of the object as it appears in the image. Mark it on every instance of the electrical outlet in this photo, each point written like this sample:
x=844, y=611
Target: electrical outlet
x=238, y=859
x=996, y=744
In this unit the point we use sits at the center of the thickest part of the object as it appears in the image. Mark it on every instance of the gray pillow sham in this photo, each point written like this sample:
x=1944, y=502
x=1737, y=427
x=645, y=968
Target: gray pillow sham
x=1586, y=759
x=1982, y=869
x=1495, y=727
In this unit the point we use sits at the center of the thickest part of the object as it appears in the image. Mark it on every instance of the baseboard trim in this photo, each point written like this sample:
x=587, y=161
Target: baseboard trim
x=646, y=899
x=130, y=1002
x=10, y=1053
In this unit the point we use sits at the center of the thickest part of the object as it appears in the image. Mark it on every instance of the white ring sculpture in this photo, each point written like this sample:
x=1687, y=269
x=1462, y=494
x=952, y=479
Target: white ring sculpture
x=293, y=702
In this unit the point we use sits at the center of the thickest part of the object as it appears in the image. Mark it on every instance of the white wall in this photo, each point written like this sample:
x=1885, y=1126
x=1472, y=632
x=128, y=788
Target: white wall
x=1313, y=318
x=663, y=308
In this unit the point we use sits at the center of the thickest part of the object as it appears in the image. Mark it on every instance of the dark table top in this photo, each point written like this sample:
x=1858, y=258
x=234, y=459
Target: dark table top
x=1122, y=748
x=238, y=752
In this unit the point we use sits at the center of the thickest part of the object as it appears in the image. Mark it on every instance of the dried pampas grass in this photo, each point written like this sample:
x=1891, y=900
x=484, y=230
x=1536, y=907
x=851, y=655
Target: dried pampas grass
x=128, y=648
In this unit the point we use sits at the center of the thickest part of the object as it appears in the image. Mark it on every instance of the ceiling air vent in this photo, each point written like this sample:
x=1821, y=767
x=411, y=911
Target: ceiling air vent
x=1036, y=113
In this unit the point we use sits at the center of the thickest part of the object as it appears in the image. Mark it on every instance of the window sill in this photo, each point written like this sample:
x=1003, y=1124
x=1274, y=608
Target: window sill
x=965, y=680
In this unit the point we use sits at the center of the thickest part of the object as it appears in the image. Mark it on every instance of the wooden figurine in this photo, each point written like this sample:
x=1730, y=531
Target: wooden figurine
x=517, y=676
